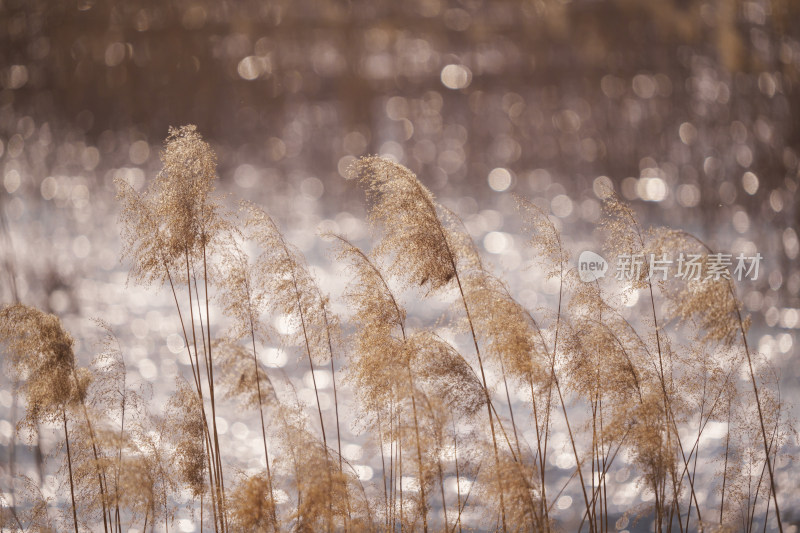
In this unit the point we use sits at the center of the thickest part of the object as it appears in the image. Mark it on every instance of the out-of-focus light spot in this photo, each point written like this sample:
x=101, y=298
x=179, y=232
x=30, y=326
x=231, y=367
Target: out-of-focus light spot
x=284, y=325
x=651, y=189
x=392, y=150
x=140, y=328
x=15, y=208
x=451, y=160
x=308, y=398
x=793, y=283
x=132, y=176
x=397, y=108
x=741, y=222
x=239, y=430
x=185, y=525
x=687, y=132
x=80, y=196
x=775, y=280
x=352, y=452
x=322, y=377
x=750, y=183
x=561, y=206
x=499, y=179
x=312, y=188
x=17, y=77
x=790, y=318
x=565, y=461
x=539, y=179
x=766, y=346
x=327, y=226
x=612, y=86
x=767, y=84
x=590, y=210
x=222, y=425
x=447, y=453
x=589, y=150
x=16, y=145
x=631, y=298
x=551, y=286
x=644, y=86
x=408, y=128
x=711, y=165
x=175, y=343
x=276, y=148
x=629, y=186
x=483, y=222
x=784, y=343
x=115, y=54
x=461, y=485
x=622, y=475
x=141, y=21
x=350, y=225
x=564, y=502
x=378, y=66
x=251, y=67
x=753, y=300
x=5, y=431
x=688, y=195
x=90, y=158
x=744, y=156
x=425, y=151
x=456, y=76
x=11, y=181
x=280, y=496
x=364, y=472
x=355, y=143
x=567, y=121
x=776, y=201
x=147, y=369
x=245, y=176
x=790, y=243
x=496, y=242
x=49, y=188
x=772, y=316
x=81, y=247
x=602, y=186
x=139, y=152
x=344, y=164
x=505, y=148
x=273, y=357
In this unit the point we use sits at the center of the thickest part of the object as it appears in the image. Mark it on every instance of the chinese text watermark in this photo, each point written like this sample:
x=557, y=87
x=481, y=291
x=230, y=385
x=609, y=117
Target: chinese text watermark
x=688, y=267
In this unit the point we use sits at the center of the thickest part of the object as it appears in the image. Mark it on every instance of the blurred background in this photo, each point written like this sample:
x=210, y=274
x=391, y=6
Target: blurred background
x=690, y=108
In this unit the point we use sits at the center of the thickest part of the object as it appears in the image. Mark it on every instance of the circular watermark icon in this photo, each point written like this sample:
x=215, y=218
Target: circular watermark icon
x=591, y=266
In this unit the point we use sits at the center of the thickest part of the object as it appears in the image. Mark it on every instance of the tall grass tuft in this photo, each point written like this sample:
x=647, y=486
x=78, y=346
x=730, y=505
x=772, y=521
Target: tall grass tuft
x=491, y=418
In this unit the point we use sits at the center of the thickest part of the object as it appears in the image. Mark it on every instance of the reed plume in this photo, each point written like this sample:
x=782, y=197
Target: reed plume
x=244, y=301
x=168, y=233
x=41, y=351
x=649, y=389
x=292, y=291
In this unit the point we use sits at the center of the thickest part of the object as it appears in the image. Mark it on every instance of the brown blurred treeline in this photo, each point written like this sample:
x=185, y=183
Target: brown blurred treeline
x=581, y=88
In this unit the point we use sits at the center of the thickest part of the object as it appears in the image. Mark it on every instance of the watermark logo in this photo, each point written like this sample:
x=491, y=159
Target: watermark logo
x=687, y=267
x=591, y=266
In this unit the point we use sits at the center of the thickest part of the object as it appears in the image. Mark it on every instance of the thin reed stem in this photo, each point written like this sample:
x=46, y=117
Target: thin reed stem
x=69, y=467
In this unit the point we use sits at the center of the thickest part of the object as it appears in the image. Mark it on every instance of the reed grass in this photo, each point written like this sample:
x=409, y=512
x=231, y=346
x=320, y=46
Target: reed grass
x=641, y=391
